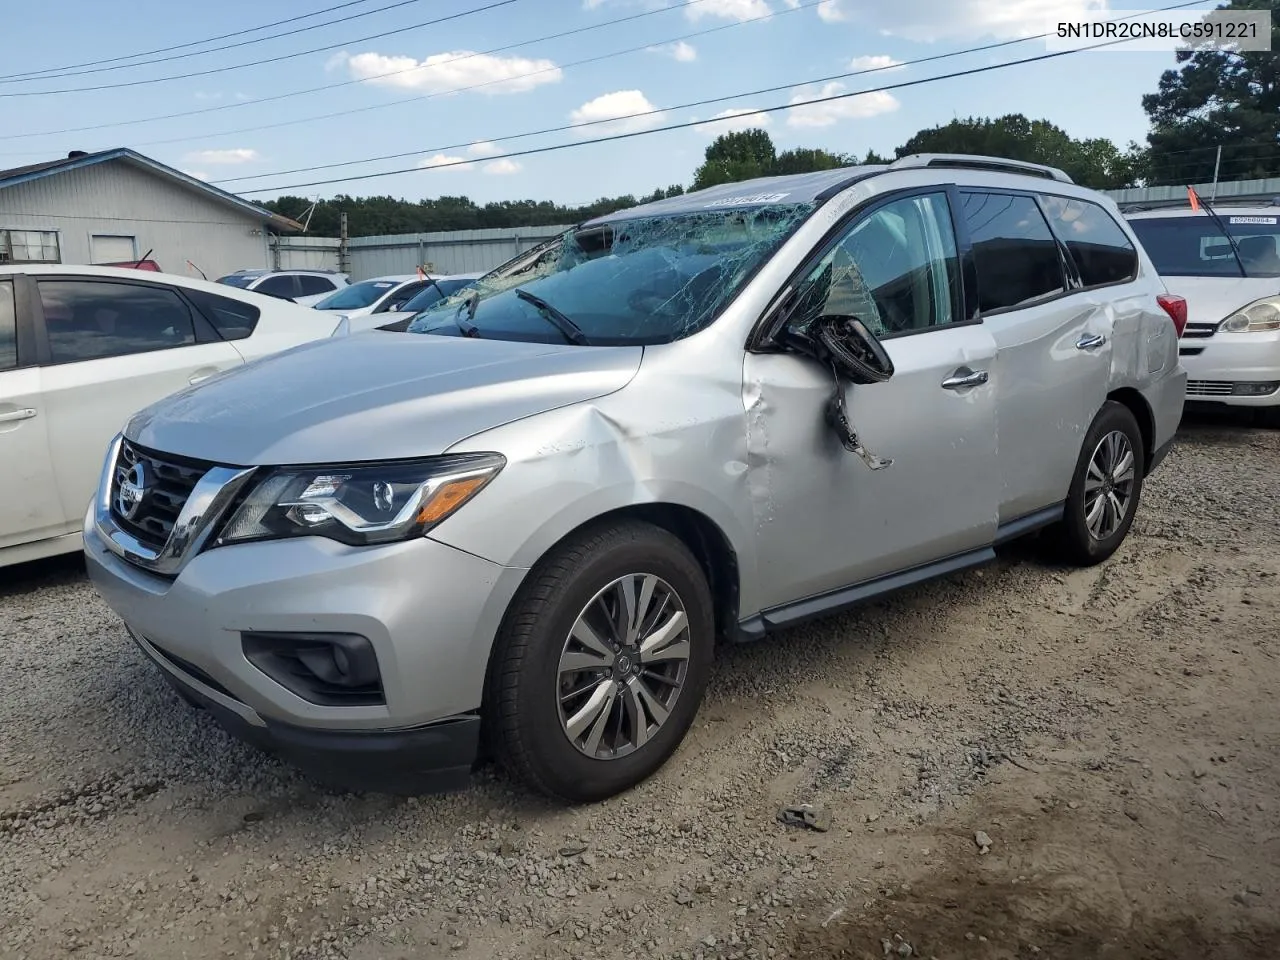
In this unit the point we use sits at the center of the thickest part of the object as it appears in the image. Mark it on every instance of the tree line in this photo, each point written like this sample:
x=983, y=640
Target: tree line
x=1214, y=99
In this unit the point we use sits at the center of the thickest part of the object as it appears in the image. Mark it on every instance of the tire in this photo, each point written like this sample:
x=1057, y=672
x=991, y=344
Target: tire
x=531, y=727
x=1076, y=543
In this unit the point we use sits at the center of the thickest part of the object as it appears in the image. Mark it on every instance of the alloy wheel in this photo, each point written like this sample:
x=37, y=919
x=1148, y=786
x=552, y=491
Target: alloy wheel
x=623, y=666
x=1108, y=485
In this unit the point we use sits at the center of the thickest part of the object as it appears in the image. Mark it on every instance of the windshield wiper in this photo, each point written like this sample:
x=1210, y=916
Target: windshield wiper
x=572, y=332
x=468, y=328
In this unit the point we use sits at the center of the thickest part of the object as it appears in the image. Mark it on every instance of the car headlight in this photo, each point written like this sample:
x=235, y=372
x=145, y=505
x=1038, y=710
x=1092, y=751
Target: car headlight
x=1261, y=315
x=360, y=504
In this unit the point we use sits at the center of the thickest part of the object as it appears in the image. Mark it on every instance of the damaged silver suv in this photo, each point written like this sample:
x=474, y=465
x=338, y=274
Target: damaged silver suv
x=523, y=523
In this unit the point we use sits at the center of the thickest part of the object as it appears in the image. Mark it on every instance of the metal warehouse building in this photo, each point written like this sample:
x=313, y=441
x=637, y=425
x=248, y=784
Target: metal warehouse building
x=118, y=205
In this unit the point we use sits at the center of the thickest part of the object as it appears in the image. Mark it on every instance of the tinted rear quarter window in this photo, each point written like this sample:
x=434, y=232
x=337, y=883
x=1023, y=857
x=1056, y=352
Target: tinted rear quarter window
x=90, y=320
x=1016, y=256
x=232, y=319
x=315, y=286
x=1098, y=245
x=8, y=327
x=277, y=287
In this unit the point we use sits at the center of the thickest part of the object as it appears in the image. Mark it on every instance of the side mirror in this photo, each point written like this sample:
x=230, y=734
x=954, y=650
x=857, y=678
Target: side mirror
x=855, y=350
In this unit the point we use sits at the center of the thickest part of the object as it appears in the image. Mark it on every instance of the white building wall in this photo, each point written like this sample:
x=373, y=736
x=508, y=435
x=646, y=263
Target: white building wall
x=118, y=199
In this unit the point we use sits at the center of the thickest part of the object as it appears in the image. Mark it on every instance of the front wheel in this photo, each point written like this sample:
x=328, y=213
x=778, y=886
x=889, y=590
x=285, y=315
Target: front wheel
x=602, y=662
x=1105, y=489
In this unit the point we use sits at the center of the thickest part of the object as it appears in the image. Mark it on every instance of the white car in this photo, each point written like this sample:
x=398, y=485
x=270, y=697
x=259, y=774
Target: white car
x=1231, y=344
x=307, y=287
x=84, y=348
x=395, y=311
x=376, y=295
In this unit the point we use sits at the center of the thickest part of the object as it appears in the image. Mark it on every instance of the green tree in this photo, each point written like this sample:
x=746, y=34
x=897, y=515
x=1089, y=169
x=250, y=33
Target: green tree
x=731, y=157
x=1094, y=163
x=1218, y=98
x=809, y=159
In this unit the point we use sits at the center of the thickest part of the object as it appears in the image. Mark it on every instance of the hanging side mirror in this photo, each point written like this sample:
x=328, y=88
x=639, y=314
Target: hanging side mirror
x=854, y=350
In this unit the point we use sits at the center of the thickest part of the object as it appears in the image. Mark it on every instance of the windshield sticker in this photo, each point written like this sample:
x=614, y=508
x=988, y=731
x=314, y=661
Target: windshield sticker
x=743, y=201
x=1266, y=221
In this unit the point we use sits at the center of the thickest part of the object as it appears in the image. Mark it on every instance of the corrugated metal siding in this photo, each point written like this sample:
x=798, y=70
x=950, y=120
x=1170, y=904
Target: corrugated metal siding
x=305, y=253
x=456, y=251
x=117, y=198
x=1261, y=191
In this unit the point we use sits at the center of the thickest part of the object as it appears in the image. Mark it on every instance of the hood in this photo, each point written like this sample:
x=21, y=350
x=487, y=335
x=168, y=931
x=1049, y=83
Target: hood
x=376, y=396
x=1213, y=299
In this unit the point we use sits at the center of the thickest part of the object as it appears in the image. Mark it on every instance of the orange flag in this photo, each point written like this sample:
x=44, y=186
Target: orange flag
x=1195, y=200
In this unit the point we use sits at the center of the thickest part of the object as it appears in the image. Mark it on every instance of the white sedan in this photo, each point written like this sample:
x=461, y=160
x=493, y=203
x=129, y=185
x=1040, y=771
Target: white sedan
x=84, y=348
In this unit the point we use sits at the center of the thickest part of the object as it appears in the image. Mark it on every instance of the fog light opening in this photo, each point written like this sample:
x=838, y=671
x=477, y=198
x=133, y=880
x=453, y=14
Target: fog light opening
x=1262, y=388
x=336, y=669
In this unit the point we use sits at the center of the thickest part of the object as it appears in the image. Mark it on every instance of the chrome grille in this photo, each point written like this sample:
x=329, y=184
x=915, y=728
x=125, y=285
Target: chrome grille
x=170, y=481
x=1199, y=331
x=1209, y=388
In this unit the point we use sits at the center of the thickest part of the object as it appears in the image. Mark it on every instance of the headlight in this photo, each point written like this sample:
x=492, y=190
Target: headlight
x=1256, y=317
x=360, y=504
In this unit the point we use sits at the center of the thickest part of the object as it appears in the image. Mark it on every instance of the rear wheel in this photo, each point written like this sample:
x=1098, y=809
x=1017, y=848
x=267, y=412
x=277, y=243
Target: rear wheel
x=602, y=662
x=1105, y=489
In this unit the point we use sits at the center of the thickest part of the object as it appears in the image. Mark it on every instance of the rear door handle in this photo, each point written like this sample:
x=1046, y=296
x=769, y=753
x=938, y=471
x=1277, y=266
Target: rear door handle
x=25, y=413
x=959, y=381
x=1088, y=343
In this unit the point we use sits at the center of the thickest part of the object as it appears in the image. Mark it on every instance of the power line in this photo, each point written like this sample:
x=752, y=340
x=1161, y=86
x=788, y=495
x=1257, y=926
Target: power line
x=417, y=98
x=346, y=83
x=693, y=123
x=183, y=46
x=257, y=63
x=644, y=113
x=200, y=53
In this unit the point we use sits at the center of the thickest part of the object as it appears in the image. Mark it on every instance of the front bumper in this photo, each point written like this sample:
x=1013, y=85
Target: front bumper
x=1219, y=365
x=429, y=611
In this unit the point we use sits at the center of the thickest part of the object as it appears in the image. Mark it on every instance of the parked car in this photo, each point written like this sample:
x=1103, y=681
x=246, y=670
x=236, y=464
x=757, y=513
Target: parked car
x=307, y=287
x=81, y=349
x=373, y=296
x=1228, y=268
x=712, y=416
x=397, y=317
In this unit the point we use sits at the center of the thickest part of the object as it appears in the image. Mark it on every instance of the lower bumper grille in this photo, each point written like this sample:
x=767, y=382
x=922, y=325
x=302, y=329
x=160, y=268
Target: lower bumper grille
x=1209, y=388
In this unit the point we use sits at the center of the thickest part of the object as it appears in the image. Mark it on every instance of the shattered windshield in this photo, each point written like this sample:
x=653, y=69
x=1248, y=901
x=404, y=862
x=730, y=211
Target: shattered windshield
x=645, y=280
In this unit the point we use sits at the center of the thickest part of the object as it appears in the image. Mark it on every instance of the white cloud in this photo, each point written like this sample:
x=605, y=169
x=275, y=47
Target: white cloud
x=446, y=72
x=875, y=62
x=727, y=9
x=829, y=11
x=336, y=61
x=231, y=156
x=198, y=174
x=502, y=167
x=727, y=121
x=679, y=51
x=201, y=95
x=483, y=148
x=851, y=108
x=445, y=161
x=929, y=21
x=619, y=106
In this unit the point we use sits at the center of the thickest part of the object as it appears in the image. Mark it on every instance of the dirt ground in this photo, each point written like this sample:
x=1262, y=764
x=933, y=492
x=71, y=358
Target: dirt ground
x=1111, y=736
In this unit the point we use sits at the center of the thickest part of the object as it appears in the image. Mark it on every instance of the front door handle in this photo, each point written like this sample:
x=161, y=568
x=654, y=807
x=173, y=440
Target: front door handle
x=25, y=413
x=959, y=381
x=1088, y=343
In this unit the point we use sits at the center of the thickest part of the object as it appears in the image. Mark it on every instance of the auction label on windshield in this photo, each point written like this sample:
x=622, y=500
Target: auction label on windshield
x=1265, y=221
x=1135, y=31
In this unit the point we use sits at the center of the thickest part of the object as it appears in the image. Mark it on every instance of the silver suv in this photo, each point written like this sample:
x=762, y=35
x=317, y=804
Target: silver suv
x=522, y=524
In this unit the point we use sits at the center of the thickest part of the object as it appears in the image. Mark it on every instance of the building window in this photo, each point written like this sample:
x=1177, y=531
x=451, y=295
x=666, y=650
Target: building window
x=29, y=246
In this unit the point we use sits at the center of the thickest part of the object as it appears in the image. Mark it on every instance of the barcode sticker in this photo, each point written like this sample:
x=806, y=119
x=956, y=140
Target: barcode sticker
x=1267, y=221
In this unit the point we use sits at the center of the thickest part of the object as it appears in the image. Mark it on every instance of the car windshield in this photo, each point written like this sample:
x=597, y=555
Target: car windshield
x=238, y=280
x=433, y=293
x=1193, y=246
x=358, y=295
x=638, y=281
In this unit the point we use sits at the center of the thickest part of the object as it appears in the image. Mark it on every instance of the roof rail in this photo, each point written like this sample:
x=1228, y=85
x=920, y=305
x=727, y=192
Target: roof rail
x=975, y=162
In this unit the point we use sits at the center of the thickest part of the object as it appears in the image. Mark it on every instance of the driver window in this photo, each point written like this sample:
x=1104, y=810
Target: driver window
x=895, y=269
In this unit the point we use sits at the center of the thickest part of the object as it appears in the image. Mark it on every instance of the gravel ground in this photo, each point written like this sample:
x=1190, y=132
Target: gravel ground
x=1019, y=761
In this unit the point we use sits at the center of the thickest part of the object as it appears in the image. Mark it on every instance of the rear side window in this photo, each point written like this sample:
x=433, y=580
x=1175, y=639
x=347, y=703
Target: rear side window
x=1099, y=247
x=277, y=287
x=232, y=319
x=91, y=319
x=314, y=286
x=1015, y=253
x=8, y=327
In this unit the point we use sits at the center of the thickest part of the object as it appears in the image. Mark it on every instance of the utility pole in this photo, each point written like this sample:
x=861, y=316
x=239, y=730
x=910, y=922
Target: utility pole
x=342, y=243
x=1217, y=163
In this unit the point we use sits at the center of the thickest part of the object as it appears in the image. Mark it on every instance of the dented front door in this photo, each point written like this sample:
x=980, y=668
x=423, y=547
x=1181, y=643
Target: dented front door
x=824, y=519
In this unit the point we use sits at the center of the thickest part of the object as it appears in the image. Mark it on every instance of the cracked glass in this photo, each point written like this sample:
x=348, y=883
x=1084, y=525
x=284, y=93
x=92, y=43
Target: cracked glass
x=644, y=280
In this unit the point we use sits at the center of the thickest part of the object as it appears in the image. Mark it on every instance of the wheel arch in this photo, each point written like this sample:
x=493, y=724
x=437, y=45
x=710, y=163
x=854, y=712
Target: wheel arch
x=1137, y=405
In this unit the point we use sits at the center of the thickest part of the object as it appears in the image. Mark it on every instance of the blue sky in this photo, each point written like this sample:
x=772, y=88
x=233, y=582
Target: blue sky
x=406, y=99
